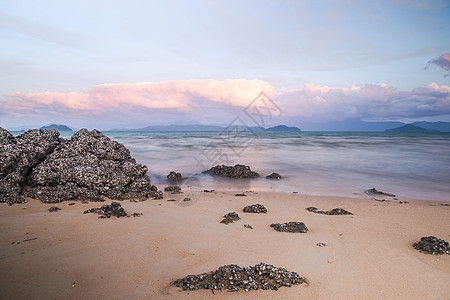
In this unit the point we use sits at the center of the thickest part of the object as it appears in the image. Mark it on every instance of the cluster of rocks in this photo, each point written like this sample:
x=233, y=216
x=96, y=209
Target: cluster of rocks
x=290, y=227
x=335, y=211
x=432, y=245
x=174, y=177
x=230, y=218
x=238, y=171
x=274, y=176
x=41, y=165
x=112, y=210
x=374, y=191
x=255, y=208
x=235, y=278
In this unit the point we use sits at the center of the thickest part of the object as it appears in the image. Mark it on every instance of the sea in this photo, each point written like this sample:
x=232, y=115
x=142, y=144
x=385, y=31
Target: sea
x=411, y=166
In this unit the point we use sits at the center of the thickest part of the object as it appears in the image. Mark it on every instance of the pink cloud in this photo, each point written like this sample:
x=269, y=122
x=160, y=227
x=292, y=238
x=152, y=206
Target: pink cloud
x=179, y=95
x=442, y=61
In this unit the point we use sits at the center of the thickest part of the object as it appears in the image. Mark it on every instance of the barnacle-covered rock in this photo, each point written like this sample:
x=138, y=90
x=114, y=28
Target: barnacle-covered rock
x=87, y=166
x=174, y=177
x=290, y=227
x=108, y=211
x=235, y=278
x=432, y=245
x=255, y=208
x=335, y=211
x=237, y=171
x=230, y=218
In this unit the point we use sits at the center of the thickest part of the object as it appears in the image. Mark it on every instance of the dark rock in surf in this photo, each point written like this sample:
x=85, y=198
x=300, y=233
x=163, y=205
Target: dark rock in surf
x=374, y=191
x=237, y=171
x=174, y=177
x=273, y=176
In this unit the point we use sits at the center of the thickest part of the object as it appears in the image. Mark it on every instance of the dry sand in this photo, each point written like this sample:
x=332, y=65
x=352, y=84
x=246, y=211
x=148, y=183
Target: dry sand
x=78, y=256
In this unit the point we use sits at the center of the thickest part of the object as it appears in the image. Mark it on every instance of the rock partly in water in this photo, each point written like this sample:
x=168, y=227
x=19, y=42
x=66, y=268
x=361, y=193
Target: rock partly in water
x=237, y=171
x=87, y=166
x=255, y=208
x=108, y=211
x=274, y=176
x=290, y=227
x=230, y=218
x=174, y=177
x=333, y=212
x=374, y=191
x=18, y=156
x=432, y=245
x=235, y=278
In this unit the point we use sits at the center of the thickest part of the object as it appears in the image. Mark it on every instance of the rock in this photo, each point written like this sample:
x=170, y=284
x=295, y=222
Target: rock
x=238, y=171
x=108, y=211
x=321, y=244
x=240, y=195
x=274, y=176
x=187, y=199
x=54, y=208
x=432, y=245
x=248, y=226
x=374, y=191
x=335, y=211
x=230, y=218
x=290, y=227
x=87, y=166
x=174, y=188
x=174, y=177
x=255, y=208
x=235, y=278
x=18, y=156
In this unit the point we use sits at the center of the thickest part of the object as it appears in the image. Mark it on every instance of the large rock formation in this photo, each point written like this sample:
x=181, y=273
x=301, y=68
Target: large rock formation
x=43, y=166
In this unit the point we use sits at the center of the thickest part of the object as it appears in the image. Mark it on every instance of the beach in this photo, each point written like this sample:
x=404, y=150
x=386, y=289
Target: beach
x=368, y=255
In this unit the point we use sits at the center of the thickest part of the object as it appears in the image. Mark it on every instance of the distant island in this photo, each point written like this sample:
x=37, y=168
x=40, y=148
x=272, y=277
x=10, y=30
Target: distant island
x=283, y=128
x=57, y=127
x=410, y=128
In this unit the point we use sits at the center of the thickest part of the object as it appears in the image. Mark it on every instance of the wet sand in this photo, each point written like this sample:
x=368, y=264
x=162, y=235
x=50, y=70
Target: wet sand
x=79, y=256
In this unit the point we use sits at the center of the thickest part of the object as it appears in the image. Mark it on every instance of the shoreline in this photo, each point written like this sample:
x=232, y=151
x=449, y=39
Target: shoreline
x=368, y=254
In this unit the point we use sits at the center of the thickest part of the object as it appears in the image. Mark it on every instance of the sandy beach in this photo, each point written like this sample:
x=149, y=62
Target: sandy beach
x=71, y=255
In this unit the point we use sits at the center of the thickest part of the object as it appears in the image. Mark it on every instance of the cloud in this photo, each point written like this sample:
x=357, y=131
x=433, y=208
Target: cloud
x=442, y=61
x=369, y=101
x=180, y=95
x=134, y=105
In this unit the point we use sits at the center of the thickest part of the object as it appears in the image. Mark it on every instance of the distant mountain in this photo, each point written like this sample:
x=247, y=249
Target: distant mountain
x=57, y=127
x=441, y=126
x=175, y=128
x=410, y=128
x=354, y=125
x=283, y=128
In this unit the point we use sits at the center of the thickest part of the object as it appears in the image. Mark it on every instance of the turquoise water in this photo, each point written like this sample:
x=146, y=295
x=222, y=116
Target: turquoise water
x=317, y=163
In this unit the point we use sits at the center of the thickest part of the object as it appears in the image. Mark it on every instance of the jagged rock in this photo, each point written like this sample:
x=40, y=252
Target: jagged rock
x=335, y=211
x=235, y=278
x=87, y=166
x=274, y=176
x=18, y=156
x=432, y=245
x=238, y=171
x=374, y=191
x=255, y=208
x=290, y=227
x=230, y=218
x=108, y=211
x=174, y=177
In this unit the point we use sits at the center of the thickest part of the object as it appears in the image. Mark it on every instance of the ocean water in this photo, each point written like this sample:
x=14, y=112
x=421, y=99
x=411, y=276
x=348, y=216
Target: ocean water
x=317, y=163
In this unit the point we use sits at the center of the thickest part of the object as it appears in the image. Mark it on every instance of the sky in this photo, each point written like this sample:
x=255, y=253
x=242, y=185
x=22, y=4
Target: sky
x=130, y=64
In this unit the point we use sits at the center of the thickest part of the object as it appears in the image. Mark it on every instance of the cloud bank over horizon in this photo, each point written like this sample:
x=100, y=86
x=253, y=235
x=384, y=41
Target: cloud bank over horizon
x=209, y=101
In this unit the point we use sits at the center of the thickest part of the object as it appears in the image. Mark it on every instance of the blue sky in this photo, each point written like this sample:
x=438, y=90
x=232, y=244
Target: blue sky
x=56, y=50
